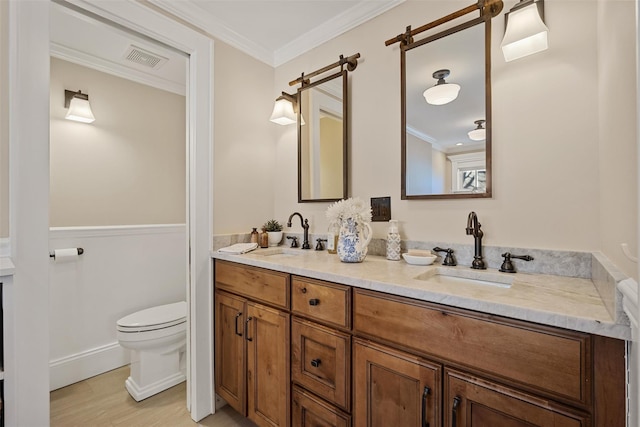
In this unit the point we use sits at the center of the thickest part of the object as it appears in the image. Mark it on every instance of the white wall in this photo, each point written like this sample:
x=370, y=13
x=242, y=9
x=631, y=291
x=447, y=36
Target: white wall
x=4, y=120
x=617, y=150
x=546, y=141
x=127, y=167
x=244, y=151
x=123, y=270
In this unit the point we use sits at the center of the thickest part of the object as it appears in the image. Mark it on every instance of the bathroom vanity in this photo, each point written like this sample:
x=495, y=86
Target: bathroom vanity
x=302, y=339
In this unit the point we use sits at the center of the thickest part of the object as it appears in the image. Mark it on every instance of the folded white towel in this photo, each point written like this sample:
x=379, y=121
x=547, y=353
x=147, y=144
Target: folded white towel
x=239, y=248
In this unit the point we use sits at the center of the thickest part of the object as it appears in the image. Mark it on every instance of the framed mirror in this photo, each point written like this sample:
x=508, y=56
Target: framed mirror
x=323, y=139
x=446, y=144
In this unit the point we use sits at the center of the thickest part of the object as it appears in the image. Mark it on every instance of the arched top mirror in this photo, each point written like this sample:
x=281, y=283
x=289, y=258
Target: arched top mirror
x=446, y=107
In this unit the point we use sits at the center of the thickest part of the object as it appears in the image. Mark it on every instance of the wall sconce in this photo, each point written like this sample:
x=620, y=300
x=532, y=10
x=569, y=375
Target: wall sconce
x=284, y=110
x=79, y=107
x=443, y=92
x=479, y=133
x=525, y=32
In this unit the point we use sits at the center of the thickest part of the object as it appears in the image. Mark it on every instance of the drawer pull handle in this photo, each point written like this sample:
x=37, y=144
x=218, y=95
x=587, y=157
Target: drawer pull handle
x=237, y=317
x=454, y=411
x=315, y=363
x=246, y=329
x=314, y=301
x=425, y=393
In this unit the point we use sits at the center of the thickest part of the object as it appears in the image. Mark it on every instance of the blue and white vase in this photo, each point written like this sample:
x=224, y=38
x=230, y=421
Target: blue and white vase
x=353, y=240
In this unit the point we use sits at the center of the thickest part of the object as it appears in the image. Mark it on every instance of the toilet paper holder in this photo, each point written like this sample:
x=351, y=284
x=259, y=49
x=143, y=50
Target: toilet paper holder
x=53, y=254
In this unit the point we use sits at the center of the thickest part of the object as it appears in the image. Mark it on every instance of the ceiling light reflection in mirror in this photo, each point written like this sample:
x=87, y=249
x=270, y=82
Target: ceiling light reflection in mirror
x=436, y=133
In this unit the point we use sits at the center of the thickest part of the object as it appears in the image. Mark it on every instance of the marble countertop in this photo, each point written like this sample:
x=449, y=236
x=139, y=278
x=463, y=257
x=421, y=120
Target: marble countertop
x=6, y=267
x=566, y=302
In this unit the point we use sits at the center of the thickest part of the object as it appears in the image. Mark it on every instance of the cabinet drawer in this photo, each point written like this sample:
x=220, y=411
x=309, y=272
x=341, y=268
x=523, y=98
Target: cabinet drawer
x=537, y=358
x=256, y=283
x=322, y=301
x=309, y=411
x=321, y=361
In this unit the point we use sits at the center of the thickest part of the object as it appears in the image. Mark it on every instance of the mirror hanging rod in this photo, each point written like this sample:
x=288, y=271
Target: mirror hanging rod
x=494, y=7
x=351, y=61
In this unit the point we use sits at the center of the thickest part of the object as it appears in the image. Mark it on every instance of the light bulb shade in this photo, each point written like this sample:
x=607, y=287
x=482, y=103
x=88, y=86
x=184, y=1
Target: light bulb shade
x=80, y=111
x=526, y=34
x=478, y=134
x=442, y=93
x=283, y=113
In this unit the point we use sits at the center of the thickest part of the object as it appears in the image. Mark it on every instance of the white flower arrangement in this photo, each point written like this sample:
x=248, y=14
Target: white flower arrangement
x=352, y=208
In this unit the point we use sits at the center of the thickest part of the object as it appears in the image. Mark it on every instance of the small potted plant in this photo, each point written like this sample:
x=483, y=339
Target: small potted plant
x=274, y=231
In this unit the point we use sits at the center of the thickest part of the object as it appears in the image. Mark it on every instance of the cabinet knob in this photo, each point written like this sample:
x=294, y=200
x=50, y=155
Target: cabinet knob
x=315, y=363
x=314, y=301
x=303, y=290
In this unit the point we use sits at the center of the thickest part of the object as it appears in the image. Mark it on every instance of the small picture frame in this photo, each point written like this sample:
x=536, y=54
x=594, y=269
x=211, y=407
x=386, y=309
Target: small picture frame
x=381, y=208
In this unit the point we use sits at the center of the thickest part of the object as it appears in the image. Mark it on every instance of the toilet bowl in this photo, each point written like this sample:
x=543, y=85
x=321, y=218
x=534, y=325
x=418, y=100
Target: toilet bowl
x=157, y=339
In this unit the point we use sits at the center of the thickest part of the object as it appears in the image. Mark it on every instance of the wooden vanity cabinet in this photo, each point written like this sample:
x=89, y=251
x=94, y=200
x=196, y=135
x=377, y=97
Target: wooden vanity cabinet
x=252, y=342
x=338, y=356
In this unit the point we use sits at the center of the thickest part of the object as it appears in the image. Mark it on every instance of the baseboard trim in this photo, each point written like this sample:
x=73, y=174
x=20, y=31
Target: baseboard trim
x=86, y=364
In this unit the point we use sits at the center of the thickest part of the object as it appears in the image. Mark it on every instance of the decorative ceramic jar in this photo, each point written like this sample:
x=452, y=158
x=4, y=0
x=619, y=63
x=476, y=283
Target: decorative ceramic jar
x=353, y=240
x=351, y=217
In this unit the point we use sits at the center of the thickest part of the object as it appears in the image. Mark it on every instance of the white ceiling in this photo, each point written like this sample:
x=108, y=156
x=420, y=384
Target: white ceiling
x=276, y=31
x=271, y=31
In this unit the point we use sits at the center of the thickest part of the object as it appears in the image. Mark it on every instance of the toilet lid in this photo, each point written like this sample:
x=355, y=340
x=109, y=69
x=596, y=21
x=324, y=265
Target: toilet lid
x=158, y=317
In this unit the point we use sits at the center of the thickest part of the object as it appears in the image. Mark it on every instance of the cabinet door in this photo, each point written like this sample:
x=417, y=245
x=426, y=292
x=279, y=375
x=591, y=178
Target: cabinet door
x=394, y=389
x=230, y=350
x=473, y=402
x=268, y=367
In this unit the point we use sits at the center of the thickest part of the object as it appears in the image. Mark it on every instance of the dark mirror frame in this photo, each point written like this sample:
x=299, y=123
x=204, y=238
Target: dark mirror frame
x=345, y=135
x=404, y=47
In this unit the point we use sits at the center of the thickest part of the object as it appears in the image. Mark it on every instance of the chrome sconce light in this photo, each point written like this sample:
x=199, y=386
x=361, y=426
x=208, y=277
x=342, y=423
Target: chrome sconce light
x=479, y=133
x=443, y=92
x=79, y=107
x=526, y=32
x=284, y=110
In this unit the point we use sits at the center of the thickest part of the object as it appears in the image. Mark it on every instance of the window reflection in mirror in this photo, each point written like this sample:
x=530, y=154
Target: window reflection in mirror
x=441, y=160
x=322, y=141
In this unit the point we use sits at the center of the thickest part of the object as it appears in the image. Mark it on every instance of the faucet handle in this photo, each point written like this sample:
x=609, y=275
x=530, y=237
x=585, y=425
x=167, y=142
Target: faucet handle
x=319, y=246
x=449, y=259
x=294, y=241
x=507, y=266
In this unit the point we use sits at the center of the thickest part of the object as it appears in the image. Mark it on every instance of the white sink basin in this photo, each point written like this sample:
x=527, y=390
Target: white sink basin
x=280, y=251
x=454, y=276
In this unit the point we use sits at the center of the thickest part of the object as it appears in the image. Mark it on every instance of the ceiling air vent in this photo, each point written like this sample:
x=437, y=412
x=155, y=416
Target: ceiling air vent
x=144, y=57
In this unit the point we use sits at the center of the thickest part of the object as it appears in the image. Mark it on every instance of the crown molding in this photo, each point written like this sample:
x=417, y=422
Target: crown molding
x=109, y=67
x=194, y=15
x=349, y=19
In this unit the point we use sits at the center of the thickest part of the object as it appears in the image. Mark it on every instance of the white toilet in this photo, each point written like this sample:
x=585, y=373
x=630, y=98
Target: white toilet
x=157, y=339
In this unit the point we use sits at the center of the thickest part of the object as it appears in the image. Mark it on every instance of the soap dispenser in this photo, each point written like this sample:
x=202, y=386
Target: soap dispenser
x=393, y=241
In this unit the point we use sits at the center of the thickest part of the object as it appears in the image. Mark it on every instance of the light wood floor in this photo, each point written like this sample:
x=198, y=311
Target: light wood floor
x=104, y=401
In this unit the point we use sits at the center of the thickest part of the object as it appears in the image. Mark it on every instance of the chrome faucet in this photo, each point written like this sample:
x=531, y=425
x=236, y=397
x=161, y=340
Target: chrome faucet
x=473, y=228
x=305, y=225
